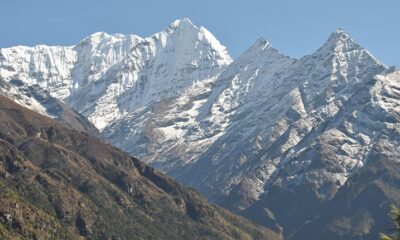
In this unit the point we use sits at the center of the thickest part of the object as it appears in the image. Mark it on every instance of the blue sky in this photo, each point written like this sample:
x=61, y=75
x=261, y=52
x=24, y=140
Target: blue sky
x=295, y=27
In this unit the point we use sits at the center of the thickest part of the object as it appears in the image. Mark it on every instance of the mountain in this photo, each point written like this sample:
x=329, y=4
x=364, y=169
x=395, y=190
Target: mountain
x=58, y=183
x=40, y=101
x=272, y=123
x=181, y=129
x=107, y=76
x=277, y=139
x=120, y=82
x=360, y=208
x=288, y=150
x=282, y=141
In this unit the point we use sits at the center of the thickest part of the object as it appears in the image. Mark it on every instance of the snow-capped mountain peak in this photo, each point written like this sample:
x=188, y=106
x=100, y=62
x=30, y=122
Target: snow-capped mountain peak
x=261, y=43
x=264, y=49
x=108, y=75
x=339, y=42
x=103, y=37
x=96, y=37
x=181, y=23
x=188, y=36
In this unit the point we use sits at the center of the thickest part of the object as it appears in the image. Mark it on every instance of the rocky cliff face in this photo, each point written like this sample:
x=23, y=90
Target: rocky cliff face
x=40, y=101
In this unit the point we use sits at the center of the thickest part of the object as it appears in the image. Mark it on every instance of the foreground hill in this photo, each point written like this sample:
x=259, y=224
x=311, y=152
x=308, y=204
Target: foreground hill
x=57, y=183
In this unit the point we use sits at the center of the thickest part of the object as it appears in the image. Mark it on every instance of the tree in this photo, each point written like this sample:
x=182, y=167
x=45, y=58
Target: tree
x=395, y=215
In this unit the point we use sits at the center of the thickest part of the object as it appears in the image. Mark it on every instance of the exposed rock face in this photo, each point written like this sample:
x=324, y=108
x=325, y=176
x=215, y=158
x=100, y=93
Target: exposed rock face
x=40, y=101
x=57, y=183
x=360, y=208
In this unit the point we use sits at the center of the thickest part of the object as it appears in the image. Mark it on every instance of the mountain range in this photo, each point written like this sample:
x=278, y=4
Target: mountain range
x=307, y=147
x=59, y=183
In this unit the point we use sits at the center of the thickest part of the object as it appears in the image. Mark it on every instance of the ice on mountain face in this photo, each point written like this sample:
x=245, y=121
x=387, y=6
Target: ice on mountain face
x=98, y=52
x=106, y=76
x=176, y=59
x=386, y=93
x=255, y=118
x=159, y=67
x=183, y=127
x=39, y=100
x=349, y=64
x=49, y=67
x=279, y=124
x=169, y=134
x=247, y=80
x=61, y=70
x=20, y=94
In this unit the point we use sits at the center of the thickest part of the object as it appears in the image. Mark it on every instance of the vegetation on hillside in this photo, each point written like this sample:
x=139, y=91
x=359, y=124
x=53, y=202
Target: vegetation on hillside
x=395, y=215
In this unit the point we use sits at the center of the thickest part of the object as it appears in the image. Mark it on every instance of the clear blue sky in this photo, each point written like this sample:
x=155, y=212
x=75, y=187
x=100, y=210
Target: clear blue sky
x=294, y=27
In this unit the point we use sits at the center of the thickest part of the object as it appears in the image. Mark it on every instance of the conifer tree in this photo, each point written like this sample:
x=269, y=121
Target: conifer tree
x=395, y=215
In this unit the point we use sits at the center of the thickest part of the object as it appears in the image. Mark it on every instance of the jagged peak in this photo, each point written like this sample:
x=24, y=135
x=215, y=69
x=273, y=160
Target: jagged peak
x=99, y=34
x=186, y=33
x=339, y=41
x=340, y=31
x=182, y=23
x=262, y=48
x=98, y=37
x=261, y=54
x=207, y=36
x=179, y=26
x=340, y=35
x=262, y=43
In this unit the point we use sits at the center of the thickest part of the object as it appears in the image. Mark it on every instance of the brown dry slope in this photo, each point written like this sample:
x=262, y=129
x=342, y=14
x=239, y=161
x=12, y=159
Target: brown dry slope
x=57, y=183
